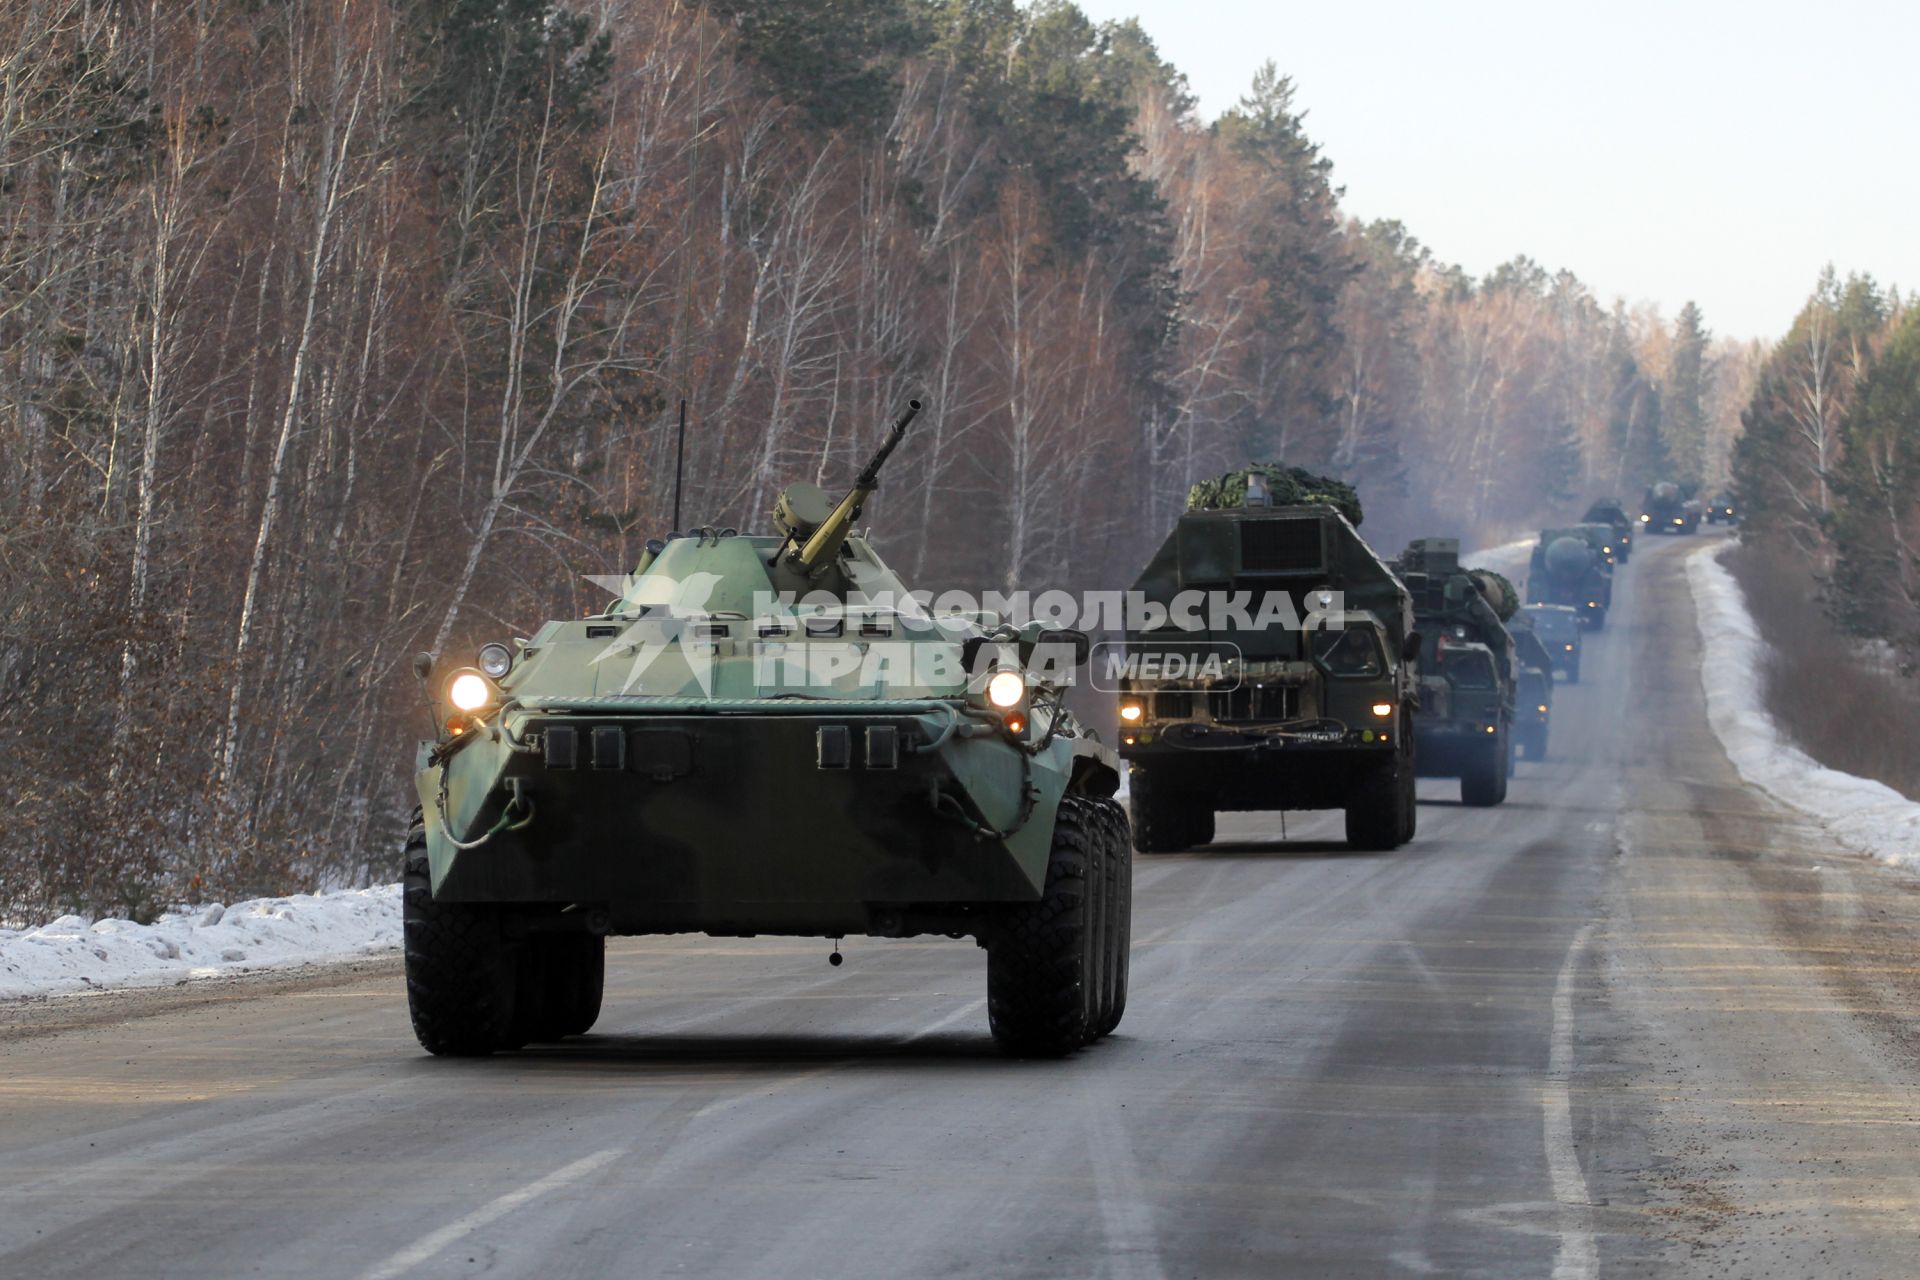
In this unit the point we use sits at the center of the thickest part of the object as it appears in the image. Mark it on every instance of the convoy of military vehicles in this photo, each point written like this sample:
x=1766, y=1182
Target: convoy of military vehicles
x=769, y=734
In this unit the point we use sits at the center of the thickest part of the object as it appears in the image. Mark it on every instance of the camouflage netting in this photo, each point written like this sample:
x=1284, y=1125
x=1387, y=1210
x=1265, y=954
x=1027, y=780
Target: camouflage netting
x=1290, y=486
x=1509, y=602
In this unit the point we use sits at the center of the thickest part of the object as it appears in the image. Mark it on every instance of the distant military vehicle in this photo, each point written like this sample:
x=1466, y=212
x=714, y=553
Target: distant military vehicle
x=1533, y=688
x=1558, y=628
x=1720, y=510
x=1463, y=727
x=708, y=755
x=1667, y=509
x=1567, y=568
x=1609, y=511
x=1306, y=702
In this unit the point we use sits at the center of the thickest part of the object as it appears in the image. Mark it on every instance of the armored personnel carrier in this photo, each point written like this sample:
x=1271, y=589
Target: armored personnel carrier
x=763, y=734
x=1568, y=568
x=1293, y=687
x=1464, y=724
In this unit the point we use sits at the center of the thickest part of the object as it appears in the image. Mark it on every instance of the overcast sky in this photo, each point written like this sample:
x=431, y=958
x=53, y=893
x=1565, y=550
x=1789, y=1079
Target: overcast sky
x=1721, y=152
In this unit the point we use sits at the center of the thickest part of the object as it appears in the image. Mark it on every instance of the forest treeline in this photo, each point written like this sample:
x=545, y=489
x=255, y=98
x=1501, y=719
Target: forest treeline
x=1828, y=466
x=332, y=330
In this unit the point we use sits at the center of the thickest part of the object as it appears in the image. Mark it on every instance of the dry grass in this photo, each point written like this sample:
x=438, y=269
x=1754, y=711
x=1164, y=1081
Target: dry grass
x=1836, y=699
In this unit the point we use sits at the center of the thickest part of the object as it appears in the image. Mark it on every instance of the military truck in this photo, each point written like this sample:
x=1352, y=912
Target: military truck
x=1720, y=509
x=1533, y=688
x=762, y=734
x=1463, y=725
x=1668, y=509
x=1558, y=628
x=1567, y=568
x=1303, y=700
x=1610, y=512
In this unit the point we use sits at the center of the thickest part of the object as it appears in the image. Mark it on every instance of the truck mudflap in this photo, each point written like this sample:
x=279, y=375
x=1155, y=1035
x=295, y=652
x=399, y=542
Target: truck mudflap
x=638, y=803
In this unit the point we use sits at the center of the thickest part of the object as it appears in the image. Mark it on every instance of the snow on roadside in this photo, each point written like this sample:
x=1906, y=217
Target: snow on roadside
x=74, y=954
x=1866, y=816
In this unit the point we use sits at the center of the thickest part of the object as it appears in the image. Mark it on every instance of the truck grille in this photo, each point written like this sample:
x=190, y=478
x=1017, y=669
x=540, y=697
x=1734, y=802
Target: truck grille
x=1280, y=546
x=1172, y=706
x=1254, y=702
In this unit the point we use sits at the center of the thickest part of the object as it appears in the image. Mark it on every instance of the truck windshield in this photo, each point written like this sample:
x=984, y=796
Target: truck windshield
x=1470, y=670
x=1551, y=624
x=1350, y=652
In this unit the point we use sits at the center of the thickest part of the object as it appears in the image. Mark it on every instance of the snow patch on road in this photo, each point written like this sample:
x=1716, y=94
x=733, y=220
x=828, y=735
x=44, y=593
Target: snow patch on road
x=1866, y=816
x=77, y=954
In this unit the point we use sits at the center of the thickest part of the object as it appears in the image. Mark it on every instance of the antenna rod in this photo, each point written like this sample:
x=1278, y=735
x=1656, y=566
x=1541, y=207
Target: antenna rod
x=679, y=465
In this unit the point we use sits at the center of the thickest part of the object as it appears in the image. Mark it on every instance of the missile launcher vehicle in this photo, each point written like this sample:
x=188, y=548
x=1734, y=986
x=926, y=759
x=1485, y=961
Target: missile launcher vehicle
x=1464, y=724
x=1277, y=672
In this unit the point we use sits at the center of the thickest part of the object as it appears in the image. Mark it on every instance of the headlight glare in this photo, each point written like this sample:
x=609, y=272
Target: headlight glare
x=1005, y=689
x=1131, y=712
x=469, y=691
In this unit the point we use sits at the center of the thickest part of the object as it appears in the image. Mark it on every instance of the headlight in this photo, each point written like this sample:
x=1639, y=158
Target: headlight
x=495, y=659
x=1005, y=689
x=469, y=691
x=1383, y=709
x=1131, y=712
x=1543, y=708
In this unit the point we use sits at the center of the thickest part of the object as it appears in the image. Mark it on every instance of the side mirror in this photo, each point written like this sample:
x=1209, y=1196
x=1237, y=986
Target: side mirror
x=1410, y=647
x=1065, y=637
x=422, y=665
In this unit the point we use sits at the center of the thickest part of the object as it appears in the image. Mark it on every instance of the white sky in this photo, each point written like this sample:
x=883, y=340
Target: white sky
x=1698, y=149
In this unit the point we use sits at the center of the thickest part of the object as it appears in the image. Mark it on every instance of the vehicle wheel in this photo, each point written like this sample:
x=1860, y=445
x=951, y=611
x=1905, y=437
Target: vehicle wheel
x=1599, y=617
x=1160, y=816
x=1118, y=851
x=559, y=982
x=1374, y=821
x=1409, y=803
x=1199, y=826
x=1038, y=961
x=1484, y=783
x=1573, y=674
x=460, y=966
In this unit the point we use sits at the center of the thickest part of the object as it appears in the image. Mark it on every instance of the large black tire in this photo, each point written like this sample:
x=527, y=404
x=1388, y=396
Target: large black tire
x=1532, y=740
x=1199, y=824
x=1118, y=847
x=1165, y=820
x=1409, y=801
x=460, y=966
x=1573, y=674
x=1040, y=957
x=1599, y=619
x=1484, y=782
x=559, y=982
x=1374, y=818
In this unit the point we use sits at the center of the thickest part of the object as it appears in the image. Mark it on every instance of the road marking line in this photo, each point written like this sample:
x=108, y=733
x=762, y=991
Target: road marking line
x=1578, y=1258
x=423, y=1249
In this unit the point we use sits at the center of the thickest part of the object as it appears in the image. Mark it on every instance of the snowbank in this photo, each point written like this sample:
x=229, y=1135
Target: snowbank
x=1866, y=816
x=74, y=954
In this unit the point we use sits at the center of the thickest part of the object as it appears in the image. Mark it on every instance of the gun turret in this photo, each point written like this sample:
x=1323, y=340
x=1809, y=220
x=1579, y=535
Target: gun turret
x=813, y=545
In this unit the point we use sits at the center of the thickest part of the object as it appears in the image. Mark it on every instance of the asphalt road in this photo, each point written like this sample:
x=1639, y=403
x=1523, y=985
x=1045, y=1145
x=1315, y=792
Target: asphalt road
x=1634, y=1021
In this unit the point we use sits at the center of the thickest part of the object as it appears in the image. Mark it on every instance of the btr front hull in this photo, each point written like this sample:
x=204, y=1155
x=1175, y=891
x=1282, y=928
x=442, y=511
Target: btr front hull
x=821, y=824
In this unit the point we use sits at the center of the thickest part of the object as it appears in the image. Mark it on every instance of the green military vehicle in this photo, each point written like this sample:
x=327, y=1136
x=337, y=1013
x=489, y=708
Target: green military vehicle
x=1558, y=628
x=1568, y=568
x=763, y=735
x=1533, y=688
x=1610, y=512
x=1464, y=724
x=1293, y=689
x=1670, y=507
x=1720, y=510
